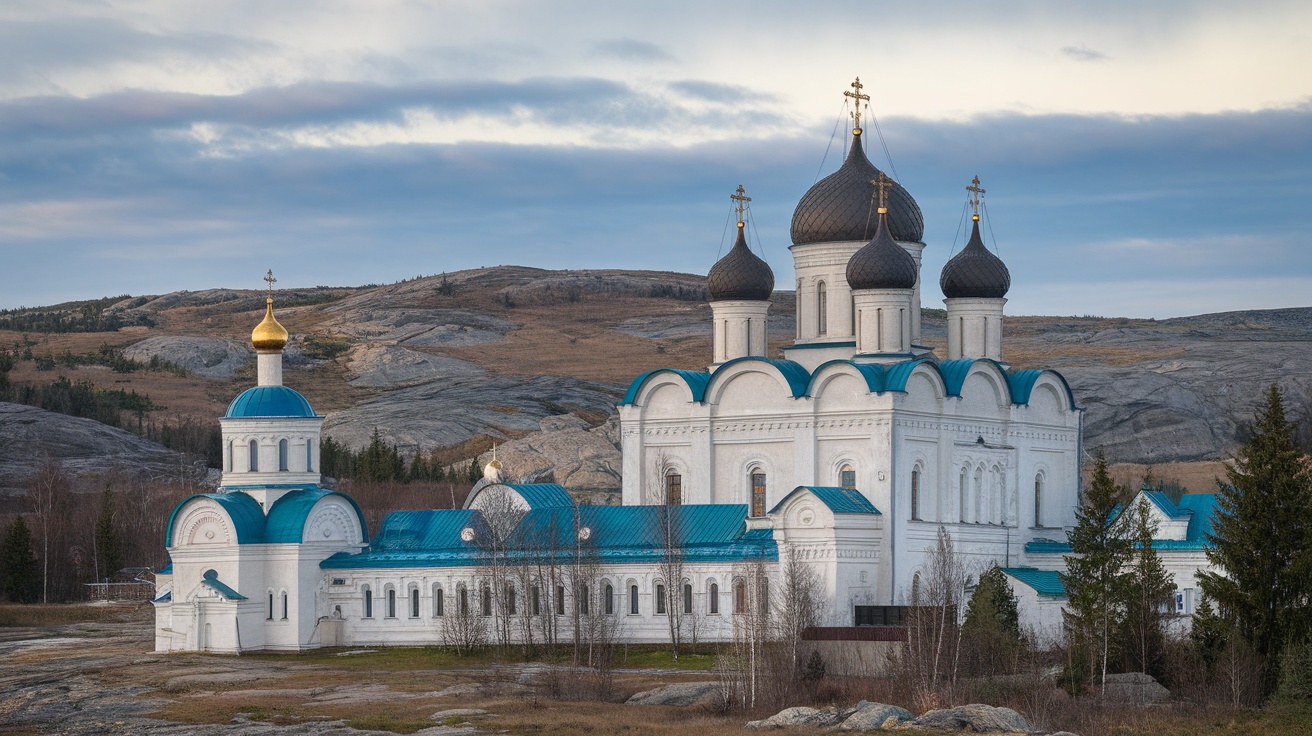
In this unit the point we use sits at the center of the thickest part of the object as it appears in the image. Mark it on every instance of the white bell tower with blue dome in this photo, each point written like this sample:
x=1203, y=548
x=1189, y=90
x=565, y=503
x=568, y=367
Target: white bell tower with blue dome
x=270, y=432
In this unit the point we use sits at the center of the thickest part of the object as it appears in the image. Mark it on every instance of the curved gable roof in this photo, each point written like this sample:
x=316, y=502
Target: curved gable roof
x=838, y=500
x=695, y=380
x=798, y=378
x=1022, y=383
x=286, y=521
x=246, y=515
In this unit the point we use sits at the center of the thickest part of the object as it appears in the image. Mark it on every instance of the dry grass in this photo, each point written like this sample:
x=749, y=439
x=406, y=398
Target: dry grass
x=55, y=614
x=1196, y=477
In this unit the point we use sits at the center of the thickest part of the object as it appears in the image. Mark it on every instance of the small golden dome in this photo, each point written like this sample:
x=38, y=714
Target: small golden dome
x=268, y=334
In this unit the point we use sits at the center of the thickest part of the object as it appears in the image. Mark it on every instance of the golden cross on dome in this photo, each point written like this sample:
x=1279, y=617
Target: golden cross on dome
x=881, y=188
x=975, y=192
x=741, y=201
x=271, y=281
x=857, y=98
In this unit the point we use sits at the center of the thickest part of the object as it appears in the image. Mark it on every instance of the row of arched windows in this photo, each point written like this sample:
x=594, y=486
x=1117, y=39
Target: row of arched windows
x=610, y=601
x=253, y=456
x=756, y=485
x=283, y=597
x=981, y=495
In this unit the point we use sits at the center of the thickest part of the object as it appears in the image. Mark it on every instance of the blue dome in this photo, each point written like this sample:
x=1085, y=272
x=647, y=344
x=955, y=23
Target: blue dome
x=270, y=401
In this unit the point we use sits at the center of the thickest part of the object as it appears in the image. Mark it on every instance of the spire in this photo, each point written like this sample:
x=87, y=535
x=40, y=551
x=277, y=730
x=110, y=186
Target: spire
x=882, y=183
x=857, y=99
x=740, y=203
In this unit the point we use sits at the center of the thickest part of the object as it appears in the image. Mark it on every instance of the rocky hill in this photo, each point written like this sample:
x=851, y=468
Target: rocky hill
x=538, y=359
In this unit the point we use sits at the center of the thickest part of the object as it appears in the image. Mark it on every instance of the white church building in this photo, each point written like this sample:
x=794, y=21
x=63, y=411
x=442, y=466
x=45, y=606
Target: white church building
x=847, y=454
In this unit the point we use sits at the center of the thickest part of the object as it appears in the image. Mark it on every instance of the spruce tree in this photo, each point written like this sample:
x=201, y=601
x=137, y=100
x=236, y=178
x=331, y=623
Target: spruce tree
x=1260, y=541
x=992, y=624
x=109, y=547
x=1095, y=577
x=1149, y=591
x=20, y=580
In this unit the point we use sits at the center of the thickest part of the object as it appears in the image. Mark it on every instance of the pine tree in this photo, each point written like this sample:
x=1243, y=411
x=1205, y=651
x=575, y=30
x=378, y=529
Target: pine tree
x=109, y=547
x=1149, y=591
x=1095, y=577
x=1261, y=539
x=20, y=580
x=992, y=624
x=419, y=470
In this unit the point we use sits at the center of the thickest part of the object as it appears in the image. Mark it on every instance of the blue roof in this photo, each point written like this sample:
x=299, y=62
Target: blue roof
x=704, y=533
x=839, y=500
x=1047, y=546
x=286, y=521
x=211, y=580
x=246, y=515
x=1044, y=582
x=696, y=381
x=270, y=401
x=166, y=570
x=1203, y=506
x=542, y=495
x=168, y=596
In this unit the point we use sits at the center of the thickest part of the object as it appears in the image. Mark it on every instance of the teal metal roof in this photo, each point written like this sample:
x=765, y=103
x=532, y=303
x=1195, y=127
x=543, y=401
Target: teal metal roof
x=703, y=533
x=1022, y=383
x=542, y=495
x=166, y=570
x=1203, y=506
x=696, y=381
x=839, y=500
x=1047, y=546
x=797, y=377
x=247, y=516
x=286, y=521
x=168, y=596
x=210, y=579
x=270, y=401
x=1044, y=582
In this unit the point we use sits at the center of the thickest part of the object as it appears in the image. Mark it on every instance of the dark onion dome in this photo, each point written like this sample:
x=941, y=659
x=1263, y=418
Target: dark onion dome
x=975, y=272
x=881, y=263
x=741, y=274
x=838, y=206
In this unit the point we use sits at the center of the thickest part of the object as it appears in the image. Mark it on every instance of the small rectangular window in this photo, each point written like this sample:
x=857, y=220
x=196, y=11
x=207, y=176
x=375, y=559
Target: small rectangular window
x=660, y=600
x=848, y=479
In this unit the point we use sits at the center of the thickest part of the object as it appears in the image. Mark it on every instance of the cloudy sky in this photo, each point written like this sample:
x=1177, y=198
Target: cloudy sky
x=1141, y=159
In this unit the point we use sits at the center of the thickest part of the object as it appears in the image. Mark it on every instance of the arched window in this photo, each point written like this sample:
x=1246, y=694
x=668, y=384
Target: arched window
x=853, y=306
x=915, y=494
x=660, y=599
x=740, y=597
x=270, y=616
x=821, y=309
x=282, y=455
x=309, y=456
x=253, y=453
x=847, y=477
x=414, y=603
x=391, y=602
x=560, y=600
x=715, y=598
x=583, y=600
x=633, y=600
x=673, y=488
x=284, y=605
x=915, y=589
x=535, y=605
x=1038, y=499
x=368, y=602
x=608, y=599
x=977, y=510
x=437, y=601
x=687, y=598
x=487, y=599
x=757, y=480
x=961, y=491
x=462, y=605
x=510, y=605
x=228, y=460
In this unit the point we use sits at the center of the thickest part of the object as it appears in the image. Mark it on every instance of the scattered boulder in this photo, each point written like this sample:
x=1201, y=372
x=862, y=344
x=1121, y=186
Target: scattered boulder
x=799, y=716
x=976, y=717
x=682, y=694
x=1135, y=687
x=870, y=716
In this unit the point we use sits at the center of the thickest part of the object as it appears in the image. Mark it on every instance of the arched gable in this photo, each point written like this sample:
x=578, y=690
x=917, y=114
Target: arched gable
x=646, y=384
x=1023, y=383
x=923, y=386
x=304, y=515
x=784, y=380
x=215, y=518
x=984, y=390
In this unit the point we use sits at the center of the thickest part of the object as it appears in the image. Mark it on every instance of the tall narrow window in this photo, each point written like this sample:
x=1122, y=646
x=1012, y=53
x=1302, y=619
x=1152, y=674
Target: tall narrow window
x=282, y=455
x=660, y=600
x=608, y=597
x=510, y=599
x=740, y=597
x=463, y=604
x=414, y=603
x=284, y=605
x=583, y=600
x=633, y=600
x=687, y=598
x=309, y=456
x=821, y=309
x=270, y=616
x=853, y=306
x=253, y=455
x=368, y=602
x=228, y=460
x=1038, y=500
x=535, y=607
x=847, y=477
x=437, y=602
x=758, y=493
x=487, y=600
x=673, y=488
x=391, y=603
x=715, y=598
x=961, y=491
x=915, y=494
x=560, y=600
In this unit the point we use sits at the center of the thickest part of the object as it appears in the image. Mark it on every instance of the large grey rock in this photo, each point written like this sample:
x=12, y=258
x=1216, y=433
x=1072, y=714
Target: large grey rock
x=799, y=716
x=204, y=356
x=392, y=366
x=870, y=716
x=1135, y=687
x=417, y=326
x=682, y=694
x=565, y=451
x=976, y=717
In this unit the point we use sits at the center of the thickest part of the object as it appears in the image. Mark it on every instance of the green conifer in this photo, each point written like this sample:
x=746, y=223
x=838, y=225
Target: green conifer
x=993, y=623
x=20, y=580
x=109, y=547
x=1149, y=593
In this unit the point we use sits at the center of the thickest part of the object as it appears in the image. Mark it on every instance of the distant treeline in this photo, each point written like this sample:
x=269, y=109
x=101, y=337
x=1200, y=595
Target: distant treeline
x=88, y=316
x=380, y=461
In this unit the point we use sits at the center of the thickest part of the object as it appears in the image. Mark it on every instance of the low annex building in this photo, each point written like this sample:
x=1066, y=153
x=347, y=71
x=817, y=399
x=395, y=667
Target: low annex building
x=846, y=455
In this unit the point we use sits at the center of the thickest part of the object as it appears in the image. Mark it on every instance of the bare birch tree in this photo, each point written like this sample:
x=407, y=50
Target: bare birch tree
x=933, y=628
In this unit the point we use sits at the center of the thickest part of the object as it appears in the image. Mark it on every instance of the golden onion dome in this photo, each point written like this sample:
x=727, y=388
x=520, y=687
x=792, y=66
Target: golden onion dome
x=268, y=334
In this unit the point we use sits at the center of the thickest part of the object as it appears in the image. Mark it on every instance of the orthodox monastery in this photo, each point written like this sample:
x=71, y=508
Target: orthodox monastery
x=846, y=455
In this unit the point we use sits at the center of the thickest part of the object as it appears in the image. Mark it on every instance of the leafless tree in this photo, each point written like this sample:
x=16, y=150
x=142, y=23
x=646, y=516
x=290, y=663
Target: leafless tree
x=495, y=537
x=933, y=628
x=800, y=603
x=49, y=492
x=463, y=628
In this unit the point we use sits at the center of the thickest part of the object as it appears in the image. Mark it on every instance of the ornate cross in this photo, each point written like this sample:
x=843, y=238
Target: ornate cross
x=271, y=281
x=975, y=191
x=741, y=201
x=857, y=98
x=881, y=188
